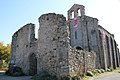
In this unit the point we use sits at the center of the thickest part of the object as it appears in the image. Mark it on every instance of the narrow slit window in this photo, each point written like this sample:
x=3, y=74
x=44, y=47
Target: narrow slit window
x=75, y=34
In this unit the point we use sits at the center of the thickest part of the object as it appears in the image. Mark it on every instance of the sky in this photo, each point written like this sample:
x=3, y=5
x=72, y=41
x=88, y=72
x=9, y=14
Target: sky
x=16, y=13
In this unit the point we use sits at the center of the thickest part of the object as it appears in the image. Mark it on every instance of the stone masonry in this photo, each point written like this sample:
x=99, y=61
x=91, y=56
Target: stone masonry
x=64, y=48
x=87, y=34
x=53, y=44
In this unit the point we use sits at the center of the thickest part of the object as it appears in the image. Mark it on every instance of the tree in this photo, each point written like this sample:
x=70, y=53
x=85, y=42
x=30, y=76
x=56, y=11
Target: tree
x=4, y=53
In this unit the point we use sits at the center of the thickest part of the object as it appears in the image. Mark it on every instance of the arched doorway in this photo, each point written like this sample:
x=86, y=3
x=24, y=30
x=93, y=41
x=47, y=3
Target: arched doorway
x=32, y=64
x=79, y=48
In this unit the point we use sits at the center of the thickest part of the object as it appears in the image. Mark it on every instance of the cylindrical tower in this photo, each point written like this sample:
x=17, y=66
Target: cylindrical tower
x=53, y=44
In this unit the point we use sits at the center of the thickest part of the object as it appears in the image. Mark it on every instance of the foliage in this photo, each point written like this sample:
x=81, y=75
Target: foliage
x=15, y=71
x=102, y=70
x=5, y=65
x=116, y=70
x=89, y=73
x=44, y=75
x=98, y=71
x=94, y=72
x=111, y=68
x=108, y=70
x=4, y=55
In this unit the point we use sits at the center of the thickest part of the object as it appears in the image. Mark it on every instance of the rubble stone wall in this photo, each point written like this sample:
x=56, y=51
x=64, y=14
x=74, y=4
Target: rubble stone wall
x=81, y=61
x=20, y=49
x=53, y=44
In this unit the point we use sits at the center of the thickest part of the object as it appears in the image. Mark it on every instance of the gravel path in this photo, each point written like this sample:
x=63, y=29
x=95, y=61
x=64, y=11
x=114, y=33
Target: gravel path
x=108, y=76
x=4, y=77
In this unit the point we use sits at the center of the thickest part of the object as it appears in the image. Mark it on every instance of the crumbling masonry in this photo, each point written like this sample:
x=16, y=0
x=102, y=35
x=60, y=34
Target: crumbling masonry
x=64, y=48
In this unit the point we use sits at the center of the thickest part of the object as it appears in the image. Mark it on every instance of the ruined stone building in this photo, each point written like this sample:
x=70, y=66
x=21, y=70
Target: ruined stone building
x=62, y=46
x=90, y=36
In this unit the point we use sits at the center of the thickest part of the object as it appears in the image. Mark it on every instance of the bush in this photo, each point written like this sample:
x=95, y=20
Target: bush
x=111, y=68
x=98, y=71
x=94, y=72
x=44, y=75
x=15, y=71
x=108, y=70
x=102, y=70
x=89, y=73
x=5, y=65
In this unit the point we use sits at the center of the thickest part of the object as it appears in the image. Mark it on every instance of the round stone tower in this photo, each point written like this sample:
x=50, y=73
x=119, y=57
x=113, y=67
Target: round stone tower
x=53, y=44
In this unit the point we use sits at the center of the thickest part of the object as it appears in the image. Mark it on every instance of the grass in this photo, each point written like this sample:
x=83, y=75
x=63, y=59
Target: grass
x=88, y=77
x=116, y=70
x=99, y=74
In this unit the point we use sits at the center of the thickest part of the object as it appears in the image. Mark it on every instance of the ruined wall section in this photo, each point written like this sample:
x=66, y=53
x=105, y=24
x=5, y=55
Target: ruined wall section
x=80, y=62
x=53, y=44
x=21, y=46
x=87, y=35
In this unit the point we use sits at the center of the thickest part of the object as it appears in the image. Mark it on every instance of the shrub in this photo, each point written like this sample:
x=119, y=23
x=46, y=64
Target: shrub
x=98, y=71
x=14, y=71
x=94, y=72
x=89, y=73
x=111, y=68
x=102, y=70
x=5, y=65
x=44, y=75
x=108, y=70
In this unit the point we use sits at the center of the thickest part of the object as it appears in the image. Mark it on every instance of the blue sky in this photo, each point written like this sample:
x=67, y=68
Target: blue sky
x=16, y=13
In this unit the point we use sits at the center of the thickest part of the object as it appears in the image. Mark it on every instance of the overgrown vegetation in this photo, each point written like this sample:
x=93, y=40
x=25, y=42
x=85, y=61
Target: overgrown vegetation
x=89, y=73
x=97, y=72
x=14, y=71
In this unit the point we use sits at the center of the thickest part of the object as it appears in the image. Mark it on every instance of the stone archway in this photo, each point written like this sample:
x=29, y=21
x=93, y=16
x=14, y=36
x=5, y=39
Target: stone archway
x=32, y=64
x=79, y=48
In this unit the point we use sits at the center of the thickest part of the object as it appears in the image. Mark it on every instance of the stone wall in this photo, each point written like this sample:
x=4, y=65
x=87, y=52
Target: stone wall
x=87, y=34
x=53, y=44
x=21, y=46
x=80, y=61
x=53, y=52
x=109, y=48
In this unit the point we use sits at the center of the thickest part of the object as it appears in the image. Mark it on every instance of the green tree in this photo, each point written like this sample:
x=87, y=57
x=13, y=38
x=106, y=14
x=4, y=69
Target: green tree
x=4, y=54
